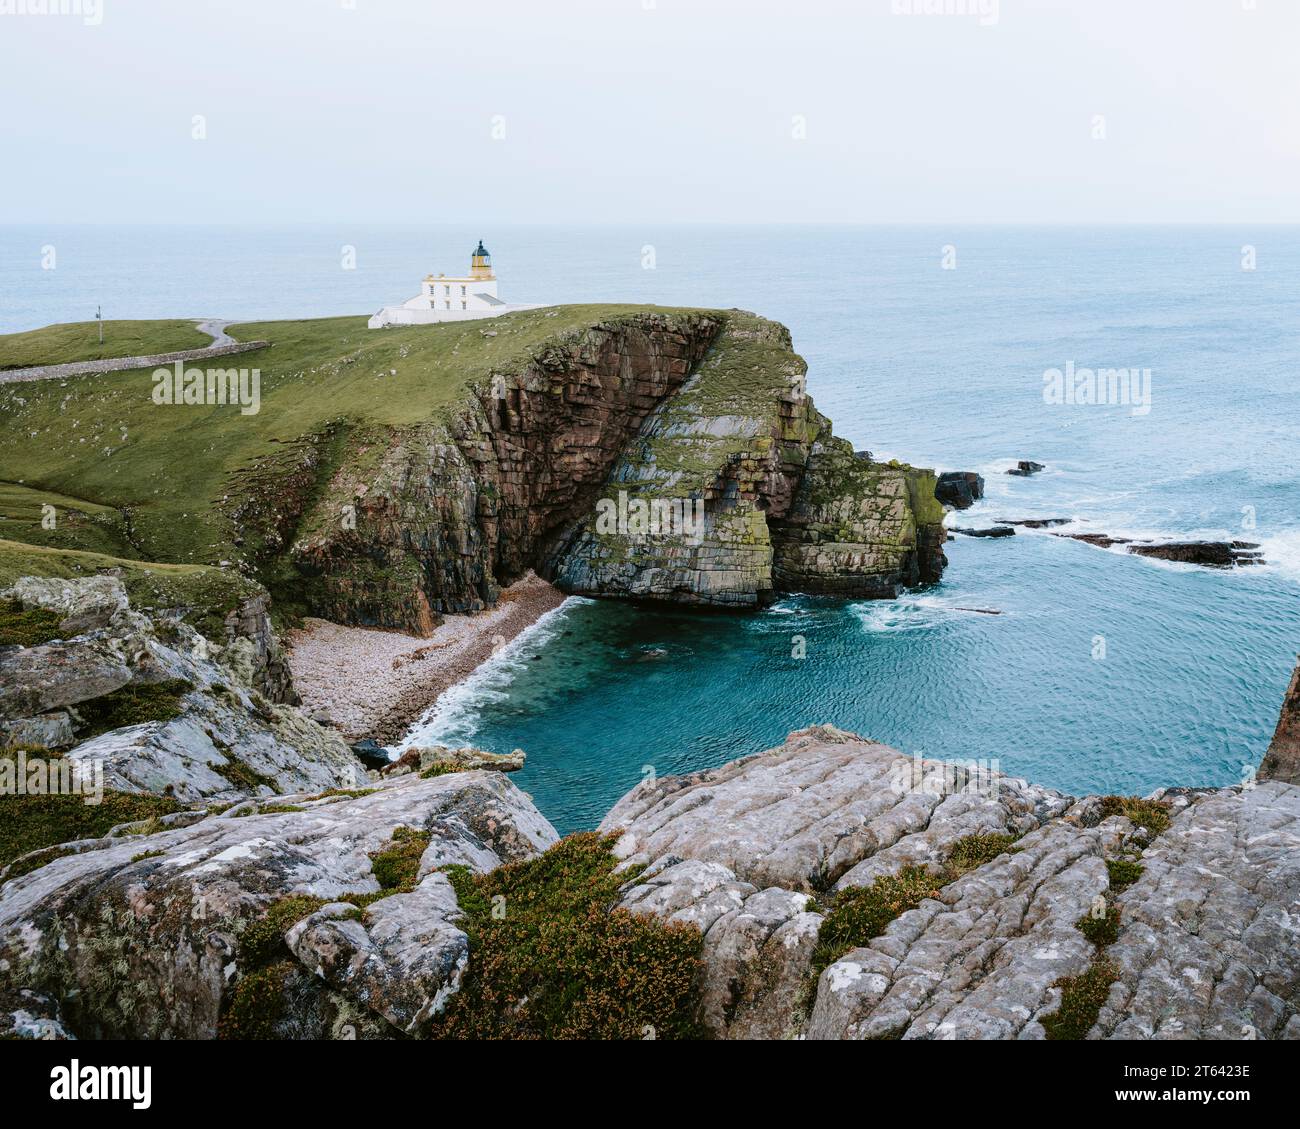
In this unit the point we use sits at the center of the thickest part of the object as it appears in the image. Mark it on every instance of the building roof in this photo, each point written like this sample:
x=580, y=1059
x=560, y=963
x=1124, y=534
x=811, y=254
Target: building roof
x=490, y=299
x=480, y=249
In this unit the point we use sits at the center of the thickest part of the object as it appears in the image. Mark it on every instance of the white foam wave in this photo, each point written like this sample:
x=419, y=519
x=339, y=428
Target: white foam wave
x=915, y=613
x=454, y=717
x=1282, y=553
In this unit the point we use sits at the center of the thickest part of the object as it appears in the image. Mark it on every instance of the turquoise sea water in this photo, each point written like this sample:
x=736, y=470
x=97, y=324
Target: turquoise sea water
x=938, y=367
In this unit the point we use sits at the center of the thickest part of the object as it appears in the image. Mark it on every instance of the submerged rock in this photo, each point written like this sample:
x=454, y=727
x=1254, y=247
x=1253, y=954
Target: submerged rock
x=1210, y=554
x=991, y=531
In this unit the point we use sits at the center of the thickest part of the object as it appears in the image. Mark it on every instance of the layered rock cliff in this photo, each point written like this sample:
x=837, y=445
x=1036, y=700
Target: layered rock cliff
x=697, y=413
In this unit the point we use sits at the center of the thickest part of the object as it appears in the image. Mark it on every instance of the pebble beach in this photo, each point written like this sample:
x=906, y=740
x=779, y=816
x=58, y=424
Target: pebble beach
x=375, y=683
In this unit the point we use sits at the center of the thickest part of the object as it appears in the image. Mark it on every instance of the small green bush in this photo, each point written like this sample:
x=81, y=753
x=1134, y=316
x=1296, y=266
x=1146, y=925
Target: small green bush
x=1100, y=930
x=973, y=851
x=1123, y=872
x=861, y=914
x=549, y=959
x=1082, y=998
x=256, y=1004
x=1151, y=814
x=26, y=628
x=396, y=867
x=263, y=940
x=133, y=704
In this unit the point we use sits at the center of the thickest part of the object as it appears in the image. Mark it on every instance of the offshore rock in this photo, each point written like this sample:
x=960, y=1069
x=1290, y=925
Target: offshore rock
x=1025, y=467
x=1209, y=554
x=959, y=489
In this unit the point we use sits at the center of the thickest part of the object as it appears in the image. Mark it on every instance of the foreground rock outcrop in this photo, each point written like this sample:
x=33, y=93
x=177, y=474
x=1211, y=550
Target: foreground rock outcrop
x=1188, y=929
x=150, y=936
x=153, y=706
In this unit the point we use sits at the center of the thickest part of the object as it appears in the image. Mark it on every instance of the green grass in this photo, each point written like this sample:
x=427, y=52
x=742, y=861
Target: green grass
x=28, y=823
x=179, y=470
x=397, y=866
x=27, y=514
x=203, y=595
x=79, y=341
x=1123, y=872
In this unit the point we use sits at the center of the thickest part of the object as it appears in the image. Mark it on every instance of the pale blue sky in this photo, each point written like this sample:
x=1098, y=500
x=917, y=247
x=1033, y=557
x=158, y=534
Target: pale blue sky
x=651, y=111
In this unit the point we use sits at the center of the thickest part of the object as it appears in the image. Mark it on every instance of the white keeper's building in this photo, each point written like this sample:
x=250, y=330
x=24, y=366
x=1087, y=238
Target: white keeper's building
x=442, y=298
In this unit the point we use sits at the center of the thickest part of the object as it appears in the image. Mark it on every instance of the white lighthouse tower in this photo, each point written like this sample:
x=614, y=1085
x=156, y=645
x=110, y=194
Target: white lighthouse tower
x=447, y=298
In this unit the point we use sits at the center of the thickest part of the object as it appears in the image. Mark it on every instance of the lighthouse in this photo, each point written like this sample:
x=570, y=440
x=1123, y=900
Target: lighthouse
x=451, y=297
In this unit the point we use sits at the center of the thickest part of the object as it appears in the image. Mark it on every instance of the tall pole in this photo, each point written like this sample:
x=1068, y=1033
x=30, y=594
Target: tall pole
x=99, y=317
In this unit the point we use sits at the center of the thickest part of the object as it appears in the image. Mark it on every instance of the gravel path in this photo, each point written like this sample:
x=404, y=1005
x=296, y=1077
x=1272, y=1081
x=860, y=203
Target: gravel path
x=216, y=329
x=223, y=345
x=377, y=683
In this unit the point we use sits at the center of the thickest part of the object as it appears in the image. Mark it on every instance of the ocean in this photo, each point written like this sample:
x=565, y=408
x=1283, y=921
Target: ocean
x=1101, y=672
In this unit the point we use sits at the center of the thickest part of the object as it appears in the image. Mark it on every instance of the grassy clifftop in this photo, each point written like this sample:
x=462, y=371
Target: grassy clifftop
x=79, y=341
x=104, y=446
x=390, y=476
x=202, y=594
